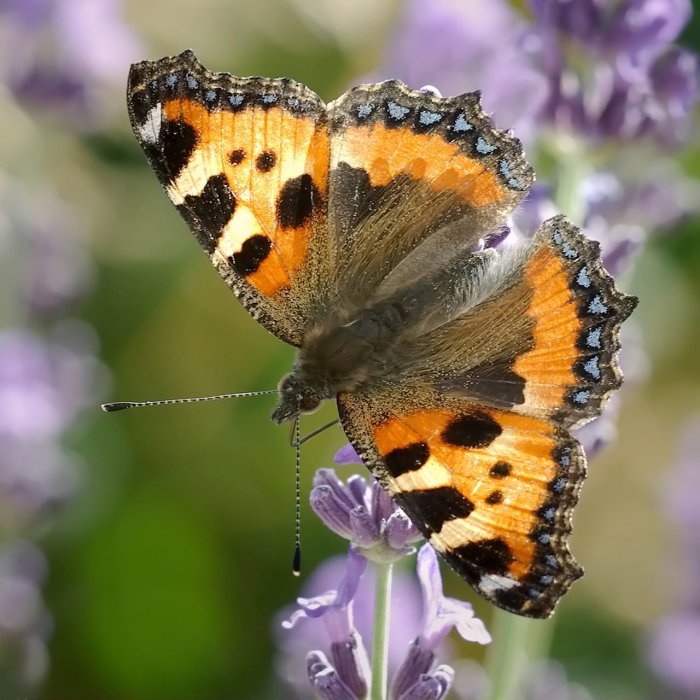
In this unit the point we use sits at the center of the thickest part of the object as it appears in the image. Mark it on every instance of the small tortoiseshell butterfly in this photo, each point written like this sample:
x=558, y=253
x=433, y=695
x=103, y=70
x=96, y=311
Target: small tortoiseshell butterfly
x=352, y=231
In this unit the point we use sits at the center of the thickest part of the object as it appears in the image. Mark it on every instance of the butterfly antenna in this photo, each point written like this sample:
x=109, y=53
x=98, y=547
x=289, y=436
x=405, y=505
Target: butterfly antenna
x=296, y=564
x=121, y=405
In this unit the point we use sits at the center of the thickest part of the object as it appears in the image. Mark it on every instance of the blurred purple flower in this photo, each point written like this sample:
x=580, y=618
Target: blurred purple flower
x=44, y=235
x=611, y=67
x=675, y=639
x=43, y=384
x=450, y=44
x=673, y=653
x=48, y=376
x=60, y=54
x=24, y=621
x=364, y=514
x=600, y=68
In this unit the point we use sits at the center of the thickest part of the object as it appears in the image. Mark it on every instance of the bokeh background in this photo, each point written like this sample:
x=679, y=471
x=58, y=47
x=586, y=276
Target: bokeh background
x=147, y=554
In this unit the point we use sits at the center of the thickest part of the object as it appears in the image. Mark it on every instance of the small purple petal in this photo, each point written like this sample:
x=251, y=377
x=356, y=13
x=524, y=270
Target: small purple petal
x=352, y=664
x=381, y=504
x=365, y=530
x=347, y=455
x=325, y=680
x=400, y=531
x=418, y=662
x=327, y=477
x=357, y=485
x=440, y=613
x=581, y=19
x=334, y=514
x=333, y=606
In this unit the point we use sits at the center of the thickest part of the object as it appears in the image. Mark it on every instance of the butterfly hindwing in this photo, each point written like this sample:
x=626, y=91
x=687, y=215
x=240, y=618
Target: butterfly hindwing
x=245, y=161
x=531, y=327
x=492, y=491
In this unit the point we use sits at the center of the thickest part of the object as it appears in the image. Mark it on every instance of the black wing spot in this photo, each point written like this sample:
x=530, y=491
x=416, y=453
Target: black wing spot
x=236, y=157
x=177, y=142
x=500, y=470
x=251, y=255
x=431, y=508
x=209, y=211
x=296, y=201
x=265, y=161
x=473, y=430
x=494, y=498
x=489, y=556
x=406, y=459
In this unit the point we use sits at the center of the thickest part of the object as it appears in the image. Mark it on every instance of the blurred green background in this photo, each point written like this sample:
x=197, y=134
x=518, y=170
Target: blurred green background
x=167, y=568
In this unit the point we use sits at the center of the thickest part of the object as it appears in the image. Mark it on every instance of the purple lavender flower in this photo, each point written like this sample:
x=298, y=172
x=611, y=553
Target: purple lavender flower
x=346, y=674
x=611, y=67
x=61, y=54
x=449, y=44
x=294, y=645
x=364, y=514
x=675, y=639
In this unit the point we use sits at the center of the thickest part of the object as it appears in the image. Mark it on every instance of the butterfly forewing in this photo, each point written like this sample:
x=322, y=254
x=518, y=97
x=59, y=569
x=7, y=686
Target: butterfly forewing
x=245, y=161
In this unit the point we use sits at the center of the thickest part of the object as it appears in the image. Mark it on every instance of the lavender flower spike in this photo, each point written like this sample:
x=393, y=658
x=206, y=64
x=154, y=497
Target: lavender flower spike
x=364, y=514
x=440, y=615
x=348, y=677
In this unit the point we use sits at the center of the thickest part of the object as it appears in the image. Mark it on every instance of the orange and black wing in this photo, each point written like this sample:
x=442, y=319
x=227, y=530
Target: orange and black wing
x=414, y=179
x=245, y=161
x=471, y=435
x=492, y=491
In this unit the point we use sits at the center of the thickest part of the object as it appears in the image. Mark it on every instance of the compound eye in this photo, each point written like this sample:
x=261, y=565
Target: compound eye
x=308, y=404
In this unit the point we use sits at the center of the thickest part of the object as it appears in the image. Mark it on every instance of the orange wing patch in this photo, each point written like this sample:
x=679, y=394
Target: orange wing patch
x=492, y=491
x=448, y=144
x=548, y=367
x=387, y=153
x=276, y=187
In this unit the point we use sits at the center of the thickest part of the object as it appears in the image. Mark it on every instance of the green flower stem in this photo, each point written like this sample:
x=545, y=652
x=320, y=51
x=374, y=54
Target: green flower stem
x=380, y=637
x=508, y=659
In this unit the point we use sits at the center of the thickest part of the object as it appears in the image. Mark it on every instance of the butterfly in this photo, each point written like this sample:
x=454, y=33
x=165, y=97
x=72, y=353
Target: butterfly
x=355, y=232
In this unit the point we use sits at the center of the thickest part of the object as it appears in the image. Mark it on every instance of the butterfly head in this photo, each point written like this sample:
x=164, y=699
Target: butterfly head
x=295, y=397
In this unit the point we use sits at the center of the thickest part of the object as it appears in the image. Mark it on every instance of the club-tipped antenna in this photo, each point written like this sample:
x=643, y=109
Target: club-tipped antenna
x=296, y=563
x=121, y=405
